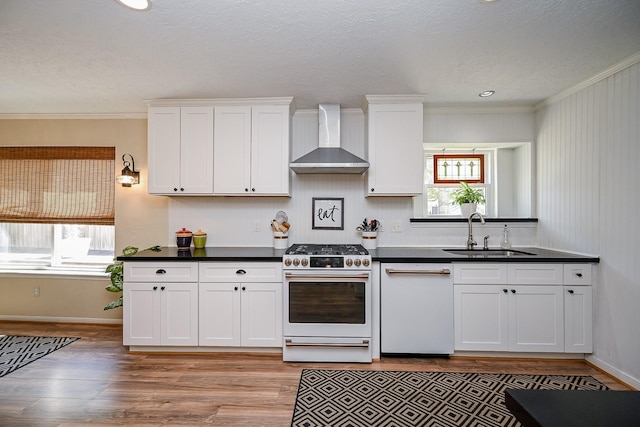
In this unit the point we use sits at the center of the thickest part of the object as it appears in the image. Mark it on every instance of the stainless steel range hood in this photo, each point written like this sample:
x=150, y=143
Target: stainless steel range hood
x=329, y=157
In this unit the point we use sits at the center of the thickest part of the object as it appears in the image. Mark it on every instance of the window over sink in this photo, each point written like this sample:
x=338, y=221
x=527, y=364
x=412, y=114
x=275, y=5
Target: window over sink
x=507, y=180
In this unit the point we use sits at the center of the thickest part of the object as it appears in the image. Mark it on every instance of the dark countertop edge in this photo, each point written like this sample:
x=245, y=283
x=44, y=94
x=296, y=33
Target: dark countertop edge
x=453, y=219
x=386, y=255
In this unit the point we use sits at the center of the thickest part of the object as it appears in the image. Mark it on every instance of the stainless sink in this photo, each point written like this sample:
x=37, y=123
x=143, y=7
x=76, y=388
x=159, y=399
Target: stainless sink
x=489, y=252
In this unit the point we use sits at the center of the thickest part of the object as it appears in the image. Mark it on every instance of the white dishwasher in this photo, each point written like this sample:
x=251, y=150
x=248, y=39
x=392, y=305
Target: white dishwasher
x=416, y=309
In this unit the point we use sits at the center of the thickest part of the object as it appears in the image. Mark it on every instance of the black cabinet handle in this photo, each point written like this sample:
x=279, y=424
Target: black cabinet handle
x=162, y=288
x=579, y=274
x=246, y=190
x=372, y=190
x=175, y=189
x=235, y=288
x=505, y=291
x=570, y=291
x=161, y=271
x=244, y=289
x=241, y=271
x=513, y=291
x=253, y=189
x=155, y=288
x=181, y=189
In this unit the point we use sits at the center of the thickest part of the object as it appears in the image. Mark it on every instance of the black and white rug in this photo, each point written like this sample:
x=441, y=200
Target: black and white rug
x=394, y=398
x=17, y=351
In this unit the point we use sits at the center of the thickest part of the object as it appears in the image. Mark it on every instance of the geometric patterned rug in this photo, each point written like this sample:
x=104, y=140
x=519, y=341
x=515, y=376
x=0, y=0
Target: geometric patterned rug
x=17, y=351
x=398, y=398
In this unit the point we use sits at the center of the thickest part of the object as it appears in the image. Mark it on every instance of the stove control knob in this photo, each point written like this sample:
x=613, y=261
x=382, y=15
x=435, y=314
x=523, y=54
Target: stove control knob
x=357, y=262
x=296, y=262
x=365, y=262
x=287, y=262
x=304, y=262
x=349, y=262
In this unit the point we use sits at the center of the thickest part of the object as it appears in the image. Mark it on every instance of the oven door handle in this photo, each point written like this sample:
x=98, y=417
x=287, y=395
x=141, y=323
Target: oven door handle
x=326, y=276
x=444, y=271
x=290, y=343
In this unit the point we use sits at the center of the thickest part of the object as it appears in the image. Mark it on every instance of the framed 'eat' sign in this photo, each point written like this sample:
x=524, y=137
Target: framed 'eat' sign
x=327, y=213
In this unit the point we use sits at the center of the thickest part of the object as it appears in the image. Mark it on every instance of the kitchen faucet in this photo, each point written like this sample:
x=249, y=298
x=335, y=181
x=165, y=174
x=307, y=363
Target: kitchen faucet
x=470, y=242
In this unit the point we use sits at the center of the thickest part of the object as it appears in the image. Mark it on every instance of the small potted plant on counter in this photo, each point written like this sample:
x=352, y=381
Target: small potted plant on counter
x=116, y=274
x=468, y=198
x=369, y=231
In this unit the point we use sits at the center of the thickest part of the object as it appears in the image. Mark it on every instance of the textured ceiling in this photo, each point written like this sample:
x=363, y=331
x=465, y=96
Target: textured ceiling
x=90, y=56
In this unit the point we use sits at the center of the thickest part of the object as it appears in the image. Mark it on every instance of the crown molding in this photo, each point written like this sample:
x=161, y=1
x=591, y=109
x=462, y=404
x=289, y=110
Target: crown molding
x=479, y=110
x=616, y=68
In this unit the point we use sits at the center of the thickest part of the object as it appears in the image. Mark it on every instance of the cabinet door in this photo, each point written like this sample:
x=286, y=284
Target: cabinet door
x=261, y=314
x=196, y=150
x=270, y=150
x=481, y=316
x=536, y=320
x=578, y=319
x=219, y=308
x=141, y=319
x=395, y=149
x=164, y=150
x=232, y=150
x=179, y=311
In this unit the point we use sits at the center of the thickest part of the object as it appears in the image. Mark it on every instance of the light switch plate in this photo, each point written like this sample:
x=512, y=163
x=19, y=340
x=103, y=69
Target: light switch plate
x=396, y=226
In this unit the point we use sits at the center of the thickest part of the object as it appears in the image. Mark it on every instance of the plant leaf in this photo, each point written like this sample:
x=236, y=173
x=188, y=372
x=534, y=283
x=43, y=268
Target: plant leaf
x=114, y=304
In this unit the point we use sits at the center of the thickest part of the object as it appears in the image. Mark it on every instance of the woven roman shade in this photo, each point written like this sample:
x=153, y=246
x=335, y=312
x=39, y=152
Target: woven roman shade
x=57, y=185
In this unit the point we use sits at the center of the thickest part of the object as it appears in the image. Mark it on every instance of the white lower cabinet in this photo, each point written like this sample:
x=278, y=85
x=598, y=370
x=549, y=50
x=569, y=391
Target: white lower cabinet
x=240, y=304
x=518, y=315
x=160, y=304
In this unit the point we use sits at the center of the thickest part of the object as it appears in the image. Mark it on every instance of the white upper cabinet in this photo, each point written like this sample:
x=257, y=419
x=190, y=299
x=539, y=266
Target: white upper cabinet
x=251, y=150
x=394, y=145
x=180, y=144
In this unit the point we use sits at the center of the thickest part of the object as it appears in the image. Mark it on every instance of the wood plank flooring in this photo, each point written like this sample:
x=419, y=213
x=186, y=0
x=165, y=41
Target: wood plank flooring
x=95, y=381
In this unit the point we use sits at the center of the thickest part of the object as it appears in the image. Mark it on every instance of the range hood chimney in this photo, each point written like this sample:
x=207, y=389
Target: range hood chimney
x=329, y=157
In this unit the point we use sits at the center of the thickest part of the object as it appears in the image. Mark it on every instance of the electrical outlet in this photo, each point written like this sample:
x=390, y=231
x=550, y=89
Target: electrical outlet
x=256, y=226
x=36, y=291
x=396, y=226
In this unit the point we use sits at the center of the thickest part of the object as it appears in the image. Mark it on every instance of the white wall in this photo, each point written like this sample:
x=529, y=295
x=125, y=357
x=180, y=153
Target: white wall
x=231, y=221
x=588, y=149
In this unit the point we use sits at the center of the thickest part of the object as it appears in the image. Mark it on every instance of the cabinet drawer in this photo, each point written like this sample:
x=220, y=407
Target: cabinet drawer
x=480, y=274
x=240, y=272
x=577, y=274
x=161, y=272
x=535, y=274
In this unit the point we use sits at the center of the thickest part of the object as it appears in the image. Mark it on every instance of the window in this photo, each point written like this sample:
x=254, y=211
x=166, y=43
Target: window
x=507, y=182
x=443, y=174
x=56, y=207
x=25, y=246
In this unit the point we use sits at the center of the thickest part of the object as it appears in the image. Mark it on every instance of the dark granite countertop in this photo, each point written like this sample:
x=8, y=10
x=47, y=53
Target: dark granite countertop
x=395, y=254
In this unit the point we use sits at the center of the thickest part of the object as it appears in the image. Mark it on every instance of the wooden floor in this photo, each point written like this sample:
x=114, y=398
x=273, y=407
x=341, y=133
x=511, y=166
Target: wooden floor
x=95, y=381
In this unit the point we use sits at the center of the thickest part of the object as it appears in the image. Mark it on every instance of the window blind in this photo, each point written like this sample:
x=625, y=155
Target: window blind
x=57, y=185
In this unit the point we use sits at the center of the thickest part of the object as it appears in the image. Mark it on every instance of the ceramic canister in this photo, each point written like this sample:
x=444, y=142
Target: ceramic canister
x=183, y=238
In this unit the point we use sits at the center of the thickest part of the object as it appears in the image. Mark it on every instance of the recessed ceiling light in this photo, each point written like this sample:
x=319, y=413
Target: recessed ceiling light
x=140, y=5
x=486, y=93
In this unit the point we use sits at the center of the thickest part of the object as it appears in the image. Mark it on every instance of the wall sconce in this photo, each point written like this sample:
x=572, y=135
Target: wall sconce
x=129, y=176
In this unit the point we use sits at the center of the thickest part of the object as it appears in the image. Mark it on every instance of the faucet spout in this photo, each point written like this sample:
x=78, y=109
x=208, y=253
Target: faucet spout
x=470, y=242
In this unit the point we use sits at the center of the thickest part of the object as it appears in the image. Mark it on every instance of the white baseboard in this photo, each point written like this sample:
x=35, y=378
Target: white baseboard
x=62, y=319
x=616, y=373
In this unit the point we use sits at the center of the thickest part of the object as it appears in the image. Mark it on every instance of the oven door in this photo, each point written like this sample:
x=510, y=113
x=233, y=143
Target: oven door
x=327, y=304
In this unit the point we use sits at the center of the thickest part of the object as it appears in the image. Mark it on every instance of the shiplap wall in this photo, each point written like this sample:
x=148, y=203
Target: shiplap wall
x=231, y=221
x=588, y=151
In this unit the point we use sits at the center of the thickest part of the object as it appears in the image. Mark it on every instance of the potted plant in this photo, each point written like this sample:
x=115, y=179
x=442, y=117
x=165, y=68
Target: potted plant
x=468, y=198
x=116, y=274
x=369, y=231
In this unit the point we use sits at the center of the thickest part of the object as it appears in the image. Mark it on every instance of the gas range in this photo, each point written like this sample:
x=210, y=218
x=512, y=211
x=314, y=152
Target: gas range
x=323, y=256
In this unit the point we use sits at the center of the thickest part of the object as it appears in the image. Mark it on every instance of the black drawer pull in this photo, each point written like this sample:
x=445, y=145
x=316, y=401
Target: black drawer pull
x=155, y=288
x=579, y=274
x=241, y=271
x=161, y=271
x=513, y=291
x=570, y=291
x=162, y=288
x=235, y=288
x=505, y=291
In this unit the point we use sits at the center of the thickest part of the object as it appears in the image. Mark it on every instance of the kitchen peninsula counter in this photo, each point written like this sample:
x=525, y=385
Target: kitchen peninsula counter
x=382, y=254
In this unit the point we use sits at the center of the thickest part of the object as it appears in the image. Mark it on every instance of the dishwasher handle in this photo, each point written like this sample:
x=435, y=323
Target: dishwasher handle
x=441, y=272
